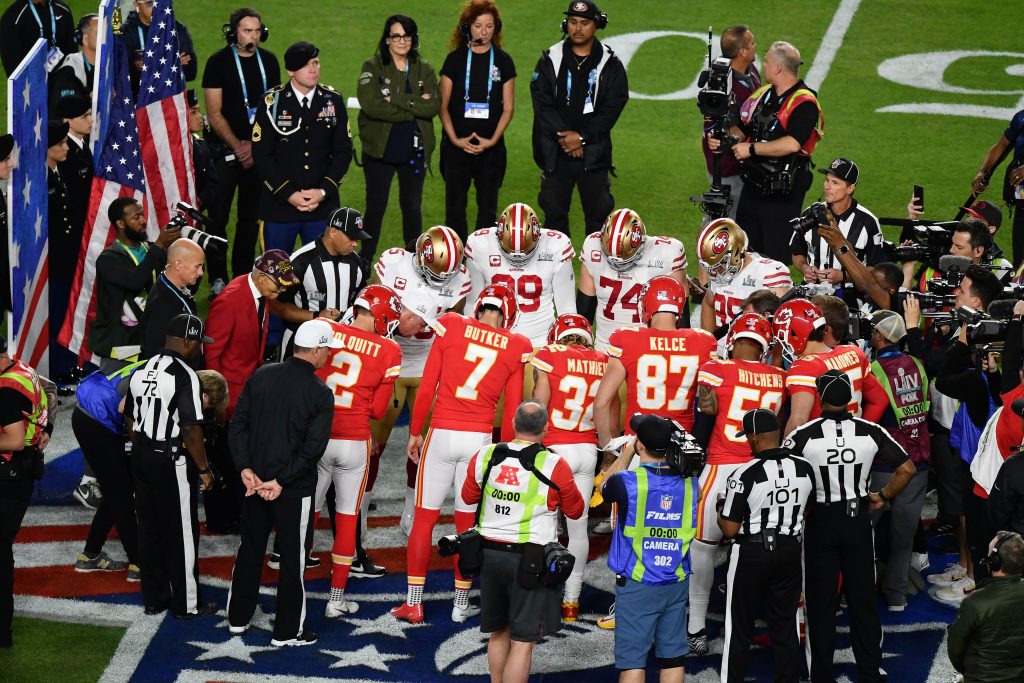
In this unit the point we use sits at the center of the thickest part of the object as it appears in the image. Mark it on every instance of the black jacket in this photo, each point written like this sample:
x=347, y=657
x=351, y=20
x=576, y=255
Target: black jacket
x=164, y=302
x=958, y=378
x=19, y=30
x=117, y=280
x=610, y=97
x=282, y=424
x=132, y=28
x=1006, y=499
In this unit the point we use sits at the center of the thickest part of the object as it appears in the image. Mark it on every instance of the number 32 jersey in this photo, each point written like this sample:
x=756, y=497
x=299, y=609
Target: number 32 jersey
x=574, y=373
x=739, y=386
x=618, y=292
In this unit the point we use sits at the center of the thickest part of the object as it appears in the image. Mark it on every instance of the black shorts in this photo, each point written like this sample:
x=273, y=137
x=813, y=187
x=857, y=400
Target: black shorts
x=529, y=614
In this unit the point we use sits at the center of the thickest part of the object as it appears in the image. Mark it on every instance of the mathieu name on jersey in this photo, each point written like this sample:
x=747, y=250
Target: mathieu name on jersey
x=574, y=373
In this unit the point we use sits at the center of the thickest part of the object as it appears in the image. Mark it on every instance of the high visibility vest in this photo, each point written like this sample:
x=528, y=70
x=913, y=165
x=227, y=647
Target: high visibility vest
x=911, y=408
x=653, y=546
x=98, y=398
x=514, y=504
x=796, y=98
x=23, y=379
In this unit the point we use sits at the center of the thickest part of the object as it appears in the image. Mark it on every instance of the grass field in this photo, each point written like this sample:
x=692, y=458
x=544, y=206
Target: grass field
x=50, y=651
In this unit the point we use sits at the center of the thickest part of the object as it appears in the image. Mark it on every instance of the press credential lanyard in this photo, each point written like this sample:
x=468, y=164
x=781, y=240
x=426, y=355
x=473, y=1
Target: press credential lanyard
x=53, y=22
x=241, y=77
x=472, y=108
x=588, y=104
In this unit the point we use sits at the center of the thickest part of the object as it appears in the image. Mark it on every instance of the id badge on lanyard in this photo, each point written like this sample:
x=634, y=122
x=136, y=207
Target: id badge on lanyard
x=251, y=111
x=588, y=104
x=478, y=110
x=54, y=54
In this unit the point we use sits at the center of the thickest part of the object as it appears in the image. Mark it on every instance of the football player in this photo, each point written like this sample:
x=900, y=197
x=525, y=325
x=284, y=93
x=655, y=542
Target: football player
x=482, y=359
x=430, y=281
x=727, y=389
x=566, y=375
x=361, y=374
x=617, y=262
x=535, y=264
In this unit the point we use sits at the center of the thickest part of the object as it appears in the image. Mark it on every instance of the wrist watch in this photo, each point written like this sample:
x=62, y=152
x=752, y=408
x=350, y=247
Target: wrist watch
x=843, y=250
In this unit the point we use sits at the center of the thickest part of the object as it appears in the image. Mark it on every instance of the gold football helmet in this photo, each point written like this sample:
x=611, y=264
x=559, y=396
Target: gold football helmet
x=721, y=248
x=518, y=233
x=622, y=238
x=438, y=255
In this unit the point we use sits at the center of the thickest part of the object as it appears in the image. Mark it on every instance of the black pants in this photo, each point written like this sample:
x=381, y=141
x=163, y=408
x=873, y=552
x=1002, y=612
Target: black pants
x=485, y=171
x=379, y=175
x=772, y=578
x=104, y=450
x=766, y=219
x=223, y=504
x=948, y=473
x=14, y=498
x=1018, y=232
x=979, y=530
x=166, y=501
x=837, y=543
x=247, y=225
x=292, y=517
x=556, y=195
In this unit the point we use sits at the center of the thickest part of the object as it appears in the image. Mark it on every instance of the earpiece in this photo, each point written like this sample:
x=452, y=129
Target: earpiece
x=601, y=22
x=80, y=28
x=993, y=561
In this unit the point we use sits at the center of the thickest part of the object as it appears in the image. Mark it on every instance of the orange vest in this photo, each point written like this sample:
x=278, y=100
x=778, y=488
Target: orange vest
x=25, y=381
x=796, y=98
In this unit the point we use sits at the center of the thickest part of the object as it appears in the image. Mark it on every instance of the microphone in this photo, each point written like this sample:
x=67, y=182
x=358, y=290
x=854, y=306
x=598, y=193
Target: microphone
x=1002, y=309
x=949, y=262
x=702, y=79
x=249, y=47
x=478, y=41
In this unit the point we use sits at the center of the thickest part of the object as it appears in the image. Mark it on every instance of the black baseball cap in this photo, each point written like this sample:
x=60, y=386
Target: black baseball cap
x=192, y=98
x=1018, y=407
x=985, y=211
x=298, y=55
x=583, y=8
x=842, y=168
x=653, y=431
x=834, y=388
x=759, y=421
x=187, y=327
x=350, y=222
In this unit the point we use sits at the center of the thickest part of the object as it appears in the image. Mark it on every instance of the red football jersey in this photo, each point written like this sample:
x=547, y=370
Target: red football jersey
x=361, y=375
x=574, y=372
x=661, y=369
x=849, y=359
x=739, y=386
x=480, y=363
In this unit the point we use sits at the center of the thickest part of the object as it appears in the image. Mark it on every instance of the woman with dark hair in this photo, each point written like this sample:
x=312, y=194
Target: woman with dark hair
x=398, y=100
x=477, y=101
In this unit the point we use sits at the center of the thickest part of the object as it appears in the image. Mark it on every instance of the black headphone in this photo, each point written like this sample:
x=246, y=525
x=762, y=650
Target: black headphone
x=993, y=561
x=464, y=29
x=601, y=22
x=230, y=29
x=82, y=23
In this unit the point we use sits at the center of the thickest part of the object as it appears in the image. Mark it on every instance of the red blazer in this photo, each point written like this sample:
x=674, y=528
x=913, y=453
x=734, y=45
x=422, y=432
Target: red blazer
x=238, y=346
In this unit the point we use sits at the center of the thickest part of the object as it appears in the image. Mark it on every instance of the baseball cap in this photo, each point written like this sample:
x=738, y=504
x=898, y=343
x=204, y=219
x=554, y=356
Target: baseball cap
x=653, y=431
x=834, y=388
x=842, y=168
x=583, y=8
x=759, y=421
x=186, y=326
x=277, y=265
x=72, y=106
x=986, y=212
x=350, y=222
x=890, y=325
x=56, y=132
x=315, y=333
x=298, y=55
x=6, y=145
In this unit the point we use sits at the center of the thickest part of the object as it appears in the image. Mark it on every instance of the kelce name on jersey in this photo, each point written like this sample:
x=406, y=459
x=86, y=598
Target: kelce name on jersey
x=585, y=367
x=487, y=337
x=668, y=344
x=358, y=344
x=757, y=379
x=843, y=361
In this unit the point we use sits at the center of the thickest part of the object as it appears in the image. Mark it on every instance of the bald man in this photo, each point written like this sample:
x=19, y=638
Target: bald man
x=172, y=296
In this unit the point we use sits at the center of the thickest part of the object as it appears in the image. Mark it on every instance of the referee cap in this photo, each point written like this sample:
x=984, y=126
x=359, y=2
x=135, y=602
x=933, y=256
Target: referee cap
x=759, y=421
x=653, y=431
x=834, y=388
x=350, y=222
x=315, y=333
x=842, y=168
x=186, y=326
x=890, y=325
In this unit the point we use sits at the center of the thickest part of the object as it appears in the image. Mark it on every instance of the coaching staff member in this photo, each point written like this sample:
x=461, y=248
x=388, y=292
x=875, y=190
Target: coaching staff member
x=164, y=413
x=518, y=507
x=579, y=89
x=302, y=150
x=841, y=449
x=764, y=509
x=277, y=436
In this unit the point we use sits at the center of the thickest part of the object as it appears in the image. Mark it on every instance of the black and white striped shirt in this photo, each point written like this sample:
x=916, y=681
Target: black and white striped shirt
x=860, y=228
x=164, y=395
x=325, y=281
x=841, y=449
x=770, y=492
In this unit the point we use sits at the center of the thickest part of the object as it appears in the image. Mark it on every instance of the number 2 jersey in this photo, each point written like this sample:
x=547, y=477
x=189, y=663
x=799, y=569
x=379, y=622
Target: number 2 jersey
x=542, y=284
x=739, y=386
x=574, y=373
x=869, y=397
x=360, y=375
x=395, y=269
x=480, y=363
x=618, y=292
x=661, y=369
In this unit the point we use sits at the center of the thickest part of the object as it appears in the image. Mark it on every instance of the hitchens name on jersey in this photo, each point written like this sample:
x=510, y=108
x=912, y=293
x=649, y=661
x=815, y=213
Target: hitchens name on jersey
x=583, y=366
x=758, y=379
x=358, y=344
x=488, y=337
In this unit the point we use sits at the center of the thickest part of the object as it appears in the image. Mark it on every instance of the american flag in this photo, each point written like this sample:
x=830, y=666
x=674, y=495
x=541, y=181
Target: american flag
x=163, y=120
x=119, y=173
x=27, y=208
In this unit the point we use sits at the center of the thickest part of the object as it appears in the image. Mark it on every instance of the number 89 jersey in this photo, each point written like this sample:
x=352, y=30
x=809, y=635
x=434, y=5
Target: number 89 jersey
x=618, y=292
x=739, y=386
x=574, y=373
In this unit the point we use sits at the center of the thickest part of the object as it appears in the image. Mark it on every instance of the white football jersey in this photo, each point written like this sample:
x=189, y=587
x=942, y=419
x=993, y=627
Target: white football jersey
x=760, y=273
x=618, y=292
x=396, y=270
x=541, y=284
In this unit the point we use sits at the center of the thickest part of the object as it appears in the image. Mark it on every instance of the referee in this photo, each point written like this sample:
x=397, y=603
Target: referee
x=164, y=413
x=765, y=503
x=841, y=449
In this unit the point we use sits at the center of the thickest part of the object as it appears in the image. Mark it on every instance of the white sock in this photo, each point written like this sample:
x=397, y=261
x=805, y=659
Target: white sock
x=702, y=577
x=461, y=598
x=337, y=595
x=414, y=595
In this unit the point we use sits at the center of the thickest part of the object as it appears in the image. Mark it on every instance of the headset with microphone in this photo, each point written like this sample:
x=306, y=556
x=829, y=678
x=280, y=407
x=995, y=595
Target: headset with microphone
x=230, y=29
x=993, y=561
x=82, y=24
x=467, y=37
x=601, y=22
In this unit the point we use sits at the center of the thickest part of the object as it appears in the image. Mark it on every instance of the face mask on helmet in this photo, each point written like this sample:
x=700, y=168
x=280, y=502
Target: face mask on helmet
x=518, y=233
x=438, y=255
x=623, y=238
x=721, y=249
x=385, y=307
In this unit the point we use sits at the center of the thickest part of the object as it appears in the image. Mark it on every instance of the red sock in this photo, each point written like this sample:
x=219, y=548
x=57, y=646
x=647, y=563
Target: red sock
x=411, y=469
x=419, y=541
x=371, y=470
x=463, y=522
x=344, y=549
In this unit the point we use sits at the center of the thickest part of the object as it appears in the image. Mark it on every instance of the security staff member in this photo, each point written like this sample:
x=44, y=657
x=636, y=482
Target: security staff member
x=518, y=507
x=841, y=449
x=650, y=552
x=163, y=412
x=26, y=21
x=278, y=434
x=764, y=509
x=302, y=150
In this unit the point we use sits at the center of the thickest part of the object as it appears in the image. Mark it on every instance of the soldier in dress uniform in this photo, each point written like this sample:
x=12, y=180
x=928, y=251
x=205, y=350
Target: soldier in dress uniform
x=65, y=243
x=77, y=169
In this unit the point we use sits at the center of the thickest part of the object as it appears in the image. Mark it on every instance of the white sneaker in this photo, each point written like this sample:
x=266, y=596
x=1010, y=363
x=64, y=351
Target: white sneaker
x=603, y=528
x=954, y=572
x=340, y=608
x=461, y=614
x=955, y=593
x=919, y=561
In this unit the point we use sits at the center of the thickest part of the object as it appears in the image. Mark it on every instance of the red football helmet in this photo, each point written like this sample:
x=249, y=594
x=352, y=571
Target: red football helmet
x=570, y=323
x=793, y=323
x=385, y=306
x=661, y=294
x=502, y=298
x=751, y=326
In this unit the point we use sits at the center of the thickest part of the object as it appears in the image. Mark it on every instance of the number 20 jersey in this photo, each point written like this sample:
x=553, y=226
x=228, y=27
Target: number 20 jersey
x=574, y=373
x=618, y=292
x=739, y=386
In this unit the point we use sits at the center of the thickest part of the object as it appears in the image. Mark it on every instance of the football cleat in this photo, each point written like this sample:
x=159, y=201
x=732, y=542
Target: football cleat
x=406, y=612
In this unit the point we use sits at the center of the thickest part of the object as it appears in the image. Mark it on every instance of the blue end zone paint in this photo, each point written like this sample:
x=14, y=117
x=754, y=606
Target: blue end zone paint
x=60, y=479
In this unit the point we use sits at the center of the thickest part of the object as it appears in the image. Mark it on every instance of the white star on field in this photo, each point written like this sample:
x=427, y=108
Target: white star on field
x=386, y=624
x=368, y=656
x=235, y=648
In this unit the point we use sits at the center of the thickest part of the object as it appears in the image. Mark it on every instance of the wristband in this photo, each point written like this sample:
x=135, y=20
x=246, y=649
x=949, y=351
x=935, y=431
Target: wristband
x=885, y=499
x=751, y=148
x=204, y=471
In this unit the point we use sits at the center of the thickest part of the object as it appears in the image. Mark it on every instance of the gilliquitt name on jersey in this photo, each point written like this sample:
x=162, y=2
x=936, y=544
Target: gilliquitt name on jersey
x=486, y=337
x=358, y=344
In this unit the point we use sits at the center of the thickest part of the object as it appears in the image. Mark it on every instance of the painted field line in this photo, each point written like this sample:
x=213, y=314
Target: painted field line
x=831, y=42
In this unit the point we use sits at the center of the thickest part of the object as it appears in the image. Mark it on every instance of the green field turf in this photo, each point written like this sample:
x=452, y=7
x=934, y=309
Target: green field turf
x=57, y=651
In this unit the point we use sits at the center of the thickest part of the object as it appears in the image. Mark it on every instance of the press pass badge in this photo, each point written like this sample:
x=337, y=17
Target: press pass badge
x=53, y=58
x=478, y=110
x=252, y=115
x=588, y=104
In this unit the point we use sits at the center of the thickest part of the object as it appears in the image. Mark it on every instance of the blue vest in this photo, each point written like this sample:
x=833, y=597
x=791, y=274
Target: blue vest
x=964, y=435
x=653, y=544
x=98, y=398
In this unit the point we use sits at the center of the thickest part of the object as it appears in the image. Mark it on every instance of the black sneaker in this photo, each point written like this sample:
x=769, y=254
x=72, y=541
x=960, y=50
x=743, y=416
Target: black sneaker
x=698, y=642
x=274, y=562
x=312, y=562
x=364, y=567
x=156, y=609
x=304, y=638
x=202, y=609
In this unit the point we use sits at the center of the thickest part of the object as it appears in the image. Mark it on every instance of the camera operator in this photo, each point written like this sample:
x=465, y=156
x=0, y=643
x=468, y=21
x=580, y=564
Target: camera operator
x=739, y=47
x=780, y=124
x=652, y=586
x=970, y=238
x=812, y=253
x=517, y=517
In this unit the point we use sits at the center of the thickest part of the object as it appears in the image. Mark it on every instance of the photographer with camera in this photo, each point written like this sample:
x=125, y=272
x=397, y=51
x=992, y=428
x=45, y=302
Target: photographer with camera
x=650, y=552
x=519, y=487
